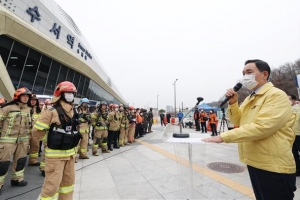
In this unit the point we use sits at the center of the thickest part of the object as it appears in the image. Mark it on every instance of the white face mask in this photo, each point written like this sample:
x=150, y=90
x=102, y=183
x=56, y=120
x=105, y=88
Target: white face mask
x=69, y=97
x=116, y=109
x=249, y=81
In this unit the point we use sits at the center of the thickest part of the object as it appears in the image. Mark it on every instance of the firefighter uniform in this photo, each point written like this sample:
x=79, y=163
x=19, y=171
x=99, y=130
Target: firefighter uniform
x=62, y=139
x=15, y=122
x=84, y=127
x=131, y=126
x=124, y=128
x=34, y=146
x=43, y=137
x=99, y=121
x=114, y=127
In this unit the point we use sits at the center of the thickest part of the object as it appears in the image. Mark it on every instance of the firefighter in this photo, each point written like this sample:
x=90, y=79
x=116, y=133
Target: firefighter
x=110, y=108
x=114, y=126
x=124, y=127
x=47, y=105
x=84, y=130
x=99, y=121
x=15, y=123
x=139, y=124
x=121, y=108
x=62, y=138
x=2, y=102
x=34, y=140
x=145, y=121
x=132, y=123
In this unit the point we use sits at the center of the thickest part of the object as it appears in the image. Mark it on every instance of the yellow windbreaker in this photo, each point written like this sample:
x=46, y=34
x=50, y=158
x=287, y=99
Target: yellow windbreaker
x=265, y=135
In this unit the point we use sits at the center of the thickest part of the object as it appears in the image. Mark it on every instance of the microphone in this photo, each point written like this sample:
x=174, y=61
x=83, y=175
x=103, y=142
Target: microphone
x=186, y=135
x=236, y=88
x=199, y=99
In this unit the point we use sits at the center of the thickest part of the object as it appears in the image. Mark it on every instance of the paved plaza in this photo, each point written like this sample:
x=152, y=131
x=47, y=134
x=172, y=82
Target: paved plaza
x=151, y=168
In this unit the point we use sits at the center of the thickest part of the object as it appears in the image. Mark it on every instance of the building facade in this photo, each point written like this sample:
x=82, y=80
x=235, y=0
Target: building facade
x=40, y=46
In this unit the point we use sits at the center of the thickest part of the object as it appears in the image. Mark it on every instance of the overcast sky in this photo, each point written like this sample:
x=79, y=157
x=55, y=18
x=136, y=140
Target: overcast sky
x=145, y=45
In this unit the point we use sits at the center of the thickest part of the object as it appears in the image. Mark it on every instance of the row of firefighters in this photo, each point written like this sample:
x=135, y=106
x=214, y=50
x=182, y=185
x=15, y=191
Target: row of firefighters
x=64, y=131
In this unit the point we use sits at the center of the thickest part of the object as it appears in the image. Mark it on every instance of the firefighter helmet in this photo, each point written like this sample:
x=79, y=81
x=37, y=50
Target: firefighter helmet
x=84, y=100
x=33, y=96
x=131, y=108
x=20, y=92
x=102, y=103
x=64, y=86
x=115, y=106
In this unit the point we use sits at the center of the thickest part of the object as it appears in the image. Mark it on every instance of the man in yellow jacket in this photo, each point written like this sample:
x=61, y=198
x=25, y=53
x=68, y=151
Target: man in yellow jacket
x=61, y=124
x=265, y=134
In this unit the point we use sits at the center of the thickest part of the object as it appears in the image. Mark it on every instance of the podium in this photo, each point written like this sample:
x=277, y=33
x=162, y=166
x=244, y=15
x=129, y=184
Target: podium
x=194, y=139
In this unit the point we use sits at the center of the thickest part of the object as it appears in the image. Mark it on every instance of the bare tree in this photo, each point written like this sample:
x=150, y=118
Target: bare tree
x=284, y=77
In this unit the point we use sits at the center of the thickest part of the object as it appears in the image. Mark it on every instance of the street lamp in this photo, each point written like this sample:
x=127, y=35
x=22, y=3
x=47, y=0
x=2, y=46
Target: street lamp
x=157, y=102
x=175, y=95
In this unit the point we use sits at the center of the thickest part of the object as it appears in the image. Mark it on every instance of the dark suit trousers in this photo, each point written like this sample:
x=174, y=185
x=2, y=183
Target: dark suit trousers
x=272, y=186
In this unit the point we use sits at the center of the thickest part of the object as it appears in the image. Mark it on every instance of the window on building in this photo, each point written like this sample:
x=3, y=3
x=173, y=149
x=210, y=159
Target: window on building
x=86, y=87
x=70, y=75
x=16, y=62
x=52, y=78
x=42, y=75
x=80, y=86
x=30, y=69
x=76, y=79
x=5, y=47
x=62, y=74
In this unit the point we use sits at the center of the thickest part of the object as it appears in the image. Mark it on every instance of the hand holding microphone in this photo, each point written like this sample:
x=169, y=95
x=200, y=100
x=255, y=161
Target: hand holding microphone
x=231, y=94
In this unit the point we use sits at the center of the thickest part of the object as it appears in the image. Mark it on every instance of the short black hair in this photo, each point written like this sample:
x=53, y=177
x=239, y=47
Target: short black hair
x=293, y=97
x=261, y=65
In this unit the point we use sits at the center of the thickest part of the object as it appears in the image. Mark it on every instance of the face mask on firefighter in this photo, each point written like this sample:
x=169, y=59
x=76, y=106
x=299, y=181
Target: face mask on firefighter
x=69, y=97
x=85, y=105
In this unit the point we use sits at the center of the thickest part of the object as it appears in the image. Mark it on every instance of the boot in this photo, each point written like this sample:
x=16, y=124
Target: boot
x=95, y=154
x=83, y=157
x=17, y=183
x=43, y=173
x=105, y=151
x=34, y=164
